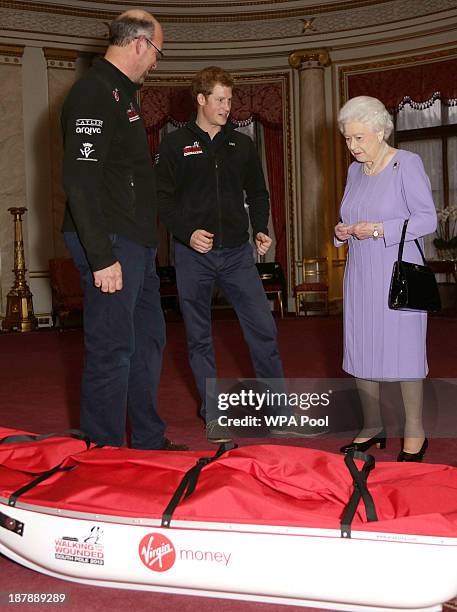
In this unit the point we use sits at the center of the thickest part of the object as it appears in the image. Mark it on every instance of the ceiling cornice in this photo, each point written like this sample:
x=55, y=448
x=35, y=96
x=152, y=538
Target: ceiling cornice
x=192, y=16
x=85, y=23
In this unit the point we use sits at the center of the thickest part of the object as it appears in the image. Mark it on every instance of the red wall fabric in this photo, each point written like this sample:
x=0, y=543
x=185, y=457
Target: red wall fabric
x=160, y=105
x=417, y=83
x=256, y=102
x=274, y=152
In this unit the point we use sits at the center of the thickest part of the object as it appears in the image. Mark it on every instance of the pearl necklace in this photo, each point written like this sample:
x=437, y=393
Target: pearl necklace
x=376, y=162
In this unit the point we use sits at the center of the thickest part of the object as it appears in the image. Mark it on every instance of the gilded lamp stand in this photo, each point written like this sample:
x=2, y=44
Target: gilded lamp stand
x=19, y=306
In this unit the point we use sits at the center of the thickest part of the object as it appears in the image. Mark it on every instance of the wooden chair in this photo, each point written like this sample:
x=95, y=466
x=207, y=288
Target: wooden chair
x=67, y=293
x=274, y=283
x=311, y=294
x=448, y=285
x=168, y=288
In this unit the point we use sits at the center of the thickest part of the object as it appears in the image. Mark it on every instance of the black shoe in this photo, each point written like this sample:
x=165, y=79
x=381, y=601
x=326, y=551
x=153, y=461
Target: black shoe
x=172, y=446
x=379, y=439
x=297, y=431
x=216, y=433
x=417, y=457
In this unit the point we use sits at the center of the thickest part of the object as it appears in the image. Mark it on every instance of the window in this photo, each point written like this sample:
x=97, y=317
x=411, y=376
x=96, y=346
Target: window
x=431, y=132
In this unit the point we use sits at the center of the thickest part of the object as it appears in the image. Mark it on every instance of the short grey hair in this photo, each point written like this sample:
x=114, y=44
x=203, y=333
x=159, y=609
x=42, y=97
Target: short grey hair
x=124, y=30
x=367, y=110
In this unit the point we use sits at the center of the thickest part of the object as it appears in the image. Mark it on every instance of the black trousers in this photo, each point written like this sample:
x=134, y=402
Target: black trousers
x=234, y=270
x=124, y=336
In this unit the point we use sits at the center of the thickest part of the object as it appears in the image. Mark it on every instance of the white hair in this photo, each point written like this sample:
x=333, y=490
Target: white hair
x=367, y=110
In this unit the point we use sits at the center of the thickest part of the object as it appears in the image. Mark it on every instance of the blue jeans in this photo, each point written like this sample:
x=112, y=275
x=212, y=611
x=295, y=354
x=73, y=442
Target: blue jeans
x=235, y=272
x=124, y=336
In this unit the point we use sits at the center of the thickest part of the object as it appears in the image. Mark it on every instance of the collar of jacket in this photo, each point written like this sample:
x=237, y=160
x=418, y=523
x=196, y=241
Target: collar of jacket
x=226, y=131
x=116, y=76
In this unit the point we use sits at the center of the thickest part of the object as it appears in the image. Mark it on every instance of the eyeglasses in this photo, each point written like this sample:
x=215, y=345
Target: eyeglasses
x=161, y=53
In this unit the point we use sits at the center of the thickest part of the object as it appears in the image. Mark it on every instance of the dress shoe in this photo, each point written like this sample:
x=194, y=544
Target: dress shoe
x=417, y=457
x=172, y=446
x=297, y=431
x=216, y=433
x=379, y=439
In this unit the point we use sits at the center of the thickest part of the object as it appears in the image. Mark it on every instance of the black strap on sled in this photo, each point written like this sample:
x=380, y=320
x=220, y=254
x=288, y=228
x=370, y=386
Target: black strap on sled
x=43, y=476
x=69, y=433
x=360, y=491
x=20, y=438
x=189, y=481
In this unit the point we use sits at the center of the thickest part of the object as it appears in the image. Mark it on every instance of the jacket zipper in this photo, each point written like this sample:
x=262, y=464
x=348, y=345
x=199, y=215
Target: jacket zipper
x=219, y=209
x=132, y=189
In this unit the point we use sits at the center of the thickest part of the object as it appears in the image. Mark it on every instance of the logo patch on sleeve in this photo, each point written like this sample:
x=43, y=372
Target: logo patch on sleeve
x=89, y=126
x=194, y=149
x=132, y=114
x=86, y=151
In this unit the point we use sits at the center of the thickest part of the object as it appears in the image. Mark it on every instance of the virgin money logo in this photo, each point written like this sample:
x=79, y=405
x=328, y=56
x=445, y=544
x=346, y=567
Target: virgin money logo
x=157, y=552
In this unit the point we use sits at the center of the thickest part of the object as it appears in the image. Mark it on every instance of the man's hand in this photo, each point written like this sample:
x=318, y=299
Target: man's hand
x=109, y=279
x=262, y=243
x=201, y=241
x=342, y=231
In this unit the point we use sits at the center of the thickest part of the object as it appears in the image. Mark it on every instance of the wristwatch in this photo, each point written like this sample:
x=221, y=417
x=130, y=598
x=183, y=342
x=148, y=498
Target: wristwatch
x=375, y=232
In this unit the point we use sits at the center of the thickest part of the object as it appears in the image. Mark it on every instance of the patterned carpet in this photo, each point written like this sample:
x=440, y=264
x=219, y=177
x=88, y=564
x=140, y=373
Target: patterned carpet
x=39, y=390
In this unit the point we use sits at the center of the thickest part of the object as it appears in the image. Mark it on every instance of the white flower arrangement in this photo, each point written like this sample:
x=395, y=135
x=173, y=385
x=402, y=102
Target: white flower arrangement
x=446, y=230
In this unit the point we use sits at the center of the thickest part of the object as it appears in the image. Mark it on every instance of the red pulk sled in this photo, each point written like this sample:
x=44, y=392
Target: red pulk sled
x=266, y=523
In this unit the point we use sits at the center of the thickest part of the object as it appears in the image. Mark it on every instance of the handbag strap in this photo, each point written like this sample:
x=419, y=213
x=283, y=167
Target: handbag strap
x=402, y=244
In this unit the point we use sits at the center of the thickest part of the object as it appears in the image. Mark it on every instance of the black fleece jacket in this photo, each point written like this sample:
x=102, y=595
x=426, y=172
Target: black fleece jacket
x=108, y=173
x=201, y=185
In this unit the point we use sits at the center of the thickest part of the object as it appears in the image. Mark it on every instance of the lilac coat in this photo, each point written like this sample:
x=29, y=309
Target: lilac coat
x=380, y=343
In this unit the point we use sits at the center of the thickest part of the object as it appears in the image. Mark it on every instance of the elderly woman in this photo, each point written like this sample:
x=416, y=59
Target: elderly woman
x=384, y=187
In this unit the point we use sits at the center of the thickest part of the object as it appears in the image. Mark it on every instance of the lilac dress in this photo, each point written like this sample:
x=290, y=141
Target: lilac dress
x=379, y=343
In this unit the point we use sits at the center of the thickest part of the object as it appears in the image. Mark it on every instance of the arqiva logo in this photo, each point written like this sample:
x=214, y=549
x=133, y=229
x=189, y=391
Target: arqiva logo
x=157, y=552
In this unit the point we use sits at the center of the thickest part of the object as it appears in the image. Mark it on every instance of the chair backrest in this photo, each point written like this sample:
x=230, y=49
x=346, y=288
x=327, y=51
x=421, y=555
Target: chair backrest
x=271, y=271
x=313, y=270
x=167, y=275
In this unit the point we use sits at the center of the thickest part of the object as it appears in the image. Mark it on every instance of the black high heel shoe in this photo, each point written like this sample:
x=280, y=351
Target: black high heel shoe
x=417, y=457
x=379, y=439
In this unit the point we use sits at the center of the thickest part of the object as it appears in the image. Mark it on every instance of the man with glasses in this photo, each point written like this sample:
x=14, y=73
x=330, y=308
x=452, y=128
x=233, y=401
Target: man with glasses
x=159, y=51
x=110, y=231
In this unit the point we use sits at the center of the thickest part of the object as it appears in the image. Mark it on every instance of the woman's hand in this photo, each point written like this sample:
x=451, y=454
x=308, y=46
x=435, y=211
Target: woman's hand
x=365, y=229
x=342, y=231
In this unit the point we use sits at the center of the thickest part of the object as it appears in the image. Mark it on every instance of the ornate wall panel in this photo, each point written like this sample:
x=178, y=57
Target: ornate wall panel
x=61, y=76
x=12, y=169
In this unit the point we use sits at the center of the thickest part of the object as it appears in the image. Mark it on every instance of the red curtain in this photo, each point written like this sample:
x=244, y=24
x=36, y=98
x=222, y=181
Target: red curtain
x=409, y=83
x=160, y=105
x=263, y=103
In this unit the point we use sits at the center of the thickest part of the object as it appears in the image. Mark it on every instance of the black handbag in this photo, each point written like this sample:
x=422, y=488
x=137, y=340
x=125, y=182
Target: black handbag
x=413, y=286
